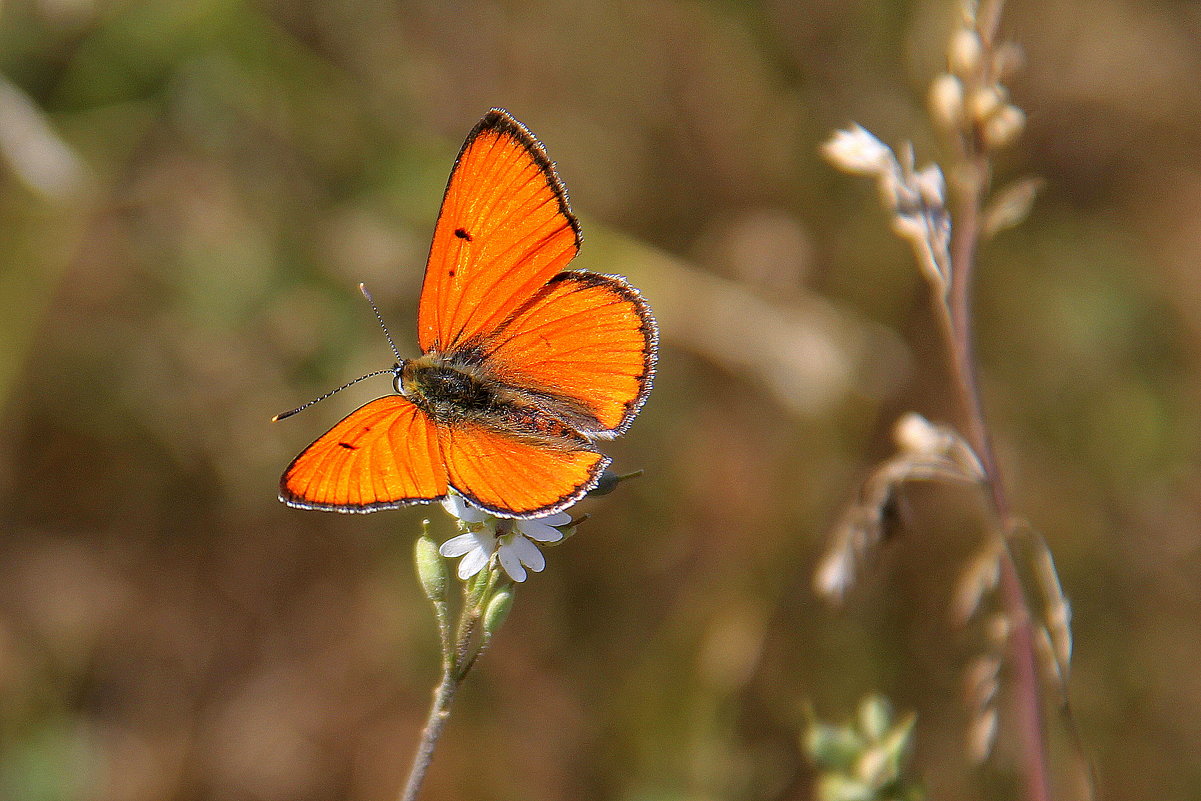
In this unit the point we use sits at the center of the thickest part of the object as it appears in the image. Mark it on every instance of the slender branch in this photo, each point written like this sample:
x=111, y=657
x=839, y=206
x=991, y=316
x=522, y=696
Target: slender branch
x=439, y=712
x=457, y=660
x=958, y=331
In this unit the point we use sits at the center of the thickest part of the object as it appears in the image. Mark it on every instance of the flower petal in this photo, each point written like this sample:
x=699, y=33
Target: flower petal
x=557, y=519
x=528, y=553
x=511, y=563
x=457, y=546
x=472, y=563
x=541, y=531
x=458, y=506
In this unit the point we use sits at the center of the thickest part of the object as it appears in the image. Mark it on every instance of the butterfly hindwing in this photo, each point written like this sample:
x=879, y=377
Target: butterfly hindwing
x=586, y=342
x=504, y=230
x=382, y=456
x=512, y=475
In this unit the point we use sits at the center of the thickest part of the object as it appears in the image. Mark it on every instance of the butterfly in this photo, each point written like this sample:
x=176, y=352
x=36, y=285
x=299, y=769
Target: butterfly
x=524, y=363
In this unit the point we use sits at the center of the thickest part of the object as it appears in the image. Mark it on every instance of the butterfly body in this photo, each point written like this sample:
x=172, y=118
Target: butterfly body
x=459, y=388
x=524, y=362
x=448, y=389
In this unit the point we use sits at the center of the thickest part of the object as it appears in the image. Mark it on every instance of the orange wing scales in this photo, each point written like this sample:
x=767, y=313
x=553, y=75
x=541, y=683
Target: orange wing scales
x=505, y=229
x=589, y=339
x=512, y=477
x=382, y=456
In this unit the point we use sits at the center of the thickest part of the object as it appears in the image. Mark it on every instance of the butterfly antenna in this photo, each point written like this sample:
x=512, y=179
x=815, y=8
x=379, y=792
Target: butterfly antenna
x=279, y=417
x=380, y=318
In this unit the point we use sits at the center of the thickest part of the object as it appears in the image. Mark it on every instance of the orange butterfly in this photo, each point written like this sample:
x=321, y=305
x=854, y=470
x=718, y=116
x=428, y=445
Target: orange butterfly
x=524, y=363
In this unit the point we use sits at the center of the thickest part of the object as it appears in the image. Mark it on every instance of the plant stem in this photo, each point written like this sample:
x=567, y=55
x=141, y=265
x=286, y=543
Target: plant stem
x=956, y=317
x=957, y=324
x=439, y=712
x=457, y=660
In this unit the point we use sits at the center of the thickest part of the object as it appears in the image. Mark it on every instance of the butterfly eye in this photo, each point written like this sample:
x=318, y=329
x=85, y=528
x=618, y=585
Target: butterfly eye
x=398, y=379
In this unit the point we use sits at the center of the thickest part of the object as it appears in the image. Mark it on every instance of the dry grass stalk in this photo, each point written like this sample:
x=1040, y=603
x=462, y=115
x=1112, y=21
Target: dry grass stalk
x=971, y=106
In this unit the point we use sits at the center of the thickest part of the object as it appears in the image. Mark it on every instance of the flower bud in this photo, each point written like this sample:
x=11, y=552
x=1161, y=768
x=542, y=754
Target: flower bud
x=981, y=734
x=836, y=787
x=963, y=52
x=431, y=568
x=1007, y=60
x=999, y=629
x=1011, y=205
x=916, y=434
x=986, y=102
x=896, y=744
x=497, y=610
x=872, y=767
x=857, y=151
x=834, y=574
x=946, y=101
x=1004, y=127
x=607, y=482
x=875, y=716
x=832, y=747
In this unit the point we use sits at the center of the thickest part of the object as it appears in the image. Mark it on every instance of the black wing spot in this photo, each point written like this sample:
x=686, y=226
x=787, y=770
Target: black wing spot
x=451, y=273
x=461, y=233
x=348, y=446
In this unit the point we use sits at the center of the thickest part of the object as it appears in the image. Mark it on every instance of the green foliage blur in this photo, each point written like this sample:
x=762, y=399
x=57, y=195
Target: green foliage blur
x=190, y=191
x=864, y=760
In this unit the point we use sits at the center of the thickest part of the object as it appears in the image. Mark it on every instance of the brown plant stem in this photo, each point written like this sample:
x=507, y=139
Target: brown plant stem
x=439, y=712
x=972, y=182
x=957, y=329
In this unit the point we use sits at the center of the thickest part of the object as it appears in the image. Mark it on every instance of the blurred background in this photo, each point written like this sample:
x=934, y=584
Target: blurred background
x=190, y=191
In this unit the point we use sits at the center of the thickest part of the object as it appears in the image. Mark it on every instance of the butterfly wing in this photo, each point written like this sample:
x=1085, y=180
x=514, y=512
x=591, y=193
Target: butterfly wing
x=512, y=475
x=504, y=230
x=383, y=456
x=583, y=347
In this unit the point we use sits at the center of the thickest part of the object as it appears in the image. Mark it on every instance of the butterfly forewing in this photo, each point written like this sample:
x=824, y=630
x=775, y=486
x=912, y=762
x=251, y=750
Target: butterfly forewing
x=504, y=230
x=382, y=456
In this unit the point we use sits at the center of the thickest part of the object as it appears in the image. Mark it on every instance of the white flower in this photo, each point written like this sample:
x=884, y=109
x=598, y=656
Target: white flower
x=458, y=506
x=856, y=150
x=511, y=540
x=517, y=550
x=476, y=548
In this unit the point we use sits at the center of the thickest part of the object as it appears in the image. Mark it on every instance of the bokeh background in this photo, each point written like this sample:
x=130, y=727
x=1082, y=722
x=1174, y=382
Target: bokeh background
x=190, y=191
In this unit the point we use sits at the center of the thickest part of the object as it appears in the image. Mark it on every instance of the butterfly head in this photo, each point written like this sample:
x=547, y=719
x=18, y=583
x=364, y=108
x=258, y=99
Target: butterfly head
x=398, y=375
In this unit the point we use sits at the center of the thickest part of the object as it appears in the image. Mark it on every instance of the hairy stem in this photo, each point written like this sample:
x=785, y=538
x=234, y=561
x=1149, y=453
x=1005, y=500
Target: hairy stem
x=457, y=660
x=439, y=712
